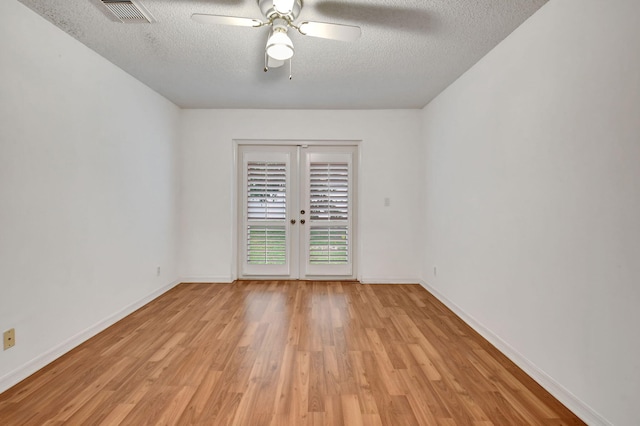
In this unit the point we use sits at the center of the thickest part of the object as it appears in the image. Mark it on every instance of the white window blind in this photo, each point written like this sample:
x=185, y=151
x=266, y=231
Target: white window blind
x=266, y=191
x=266, y=245
x=329, y=245
x=329, y=213
x=266, y=204
x=329, y=191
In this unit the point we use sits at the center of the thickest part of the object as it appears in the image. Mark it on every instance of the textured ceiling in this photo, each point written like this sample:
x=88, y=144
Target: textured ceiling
x=410, y=50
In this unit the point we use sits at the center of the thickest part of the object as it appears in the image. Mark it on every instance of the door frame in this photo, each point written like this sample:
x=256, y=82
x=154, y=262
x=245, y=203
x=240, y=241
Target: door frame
x=236, y=208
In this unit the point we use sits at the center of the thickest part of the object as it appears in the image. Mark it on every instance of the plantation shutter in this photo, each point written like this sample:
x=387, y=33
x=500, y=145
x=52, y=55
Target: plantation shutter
x=329, y=237
x=266, y=190
x=266, y=200
x=329, y=212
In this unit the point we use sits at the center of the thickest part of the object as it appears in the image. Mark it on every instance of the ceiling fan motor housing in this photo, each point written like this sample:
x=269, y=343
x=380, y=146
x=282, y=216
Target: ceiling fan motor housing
x=269, y=10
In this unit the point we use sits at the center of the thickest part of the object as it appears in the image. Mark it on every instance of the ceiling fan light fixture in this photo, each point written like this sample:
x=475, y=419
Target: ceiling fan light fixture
x=279, y=45
x=280, y=15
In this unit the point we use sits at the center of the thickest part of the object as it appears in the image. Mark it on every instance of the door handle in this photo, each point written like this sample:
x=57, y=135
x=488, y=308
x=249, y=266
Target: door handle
x=302, y=221
x=293, y=221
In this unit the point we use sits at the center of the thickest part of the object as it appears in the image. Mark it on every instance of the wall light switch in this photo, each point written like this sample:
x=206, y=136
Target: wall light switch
x=387, y=201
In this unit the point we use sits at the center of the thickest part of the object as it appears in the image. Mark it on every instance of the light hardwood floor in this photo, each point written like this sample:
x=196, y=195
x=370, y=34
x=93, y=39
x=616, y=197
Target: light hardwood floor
x=285, y=353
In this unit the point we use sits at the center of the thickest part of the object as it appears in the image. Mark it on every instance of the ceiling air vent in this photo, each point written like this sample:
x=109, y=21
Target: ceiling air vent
x=127, y=11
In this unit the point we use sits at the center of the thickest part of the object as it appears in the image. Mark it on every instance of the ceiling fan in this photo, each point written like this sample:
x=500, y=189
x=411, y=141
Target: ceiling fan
x=280, y=16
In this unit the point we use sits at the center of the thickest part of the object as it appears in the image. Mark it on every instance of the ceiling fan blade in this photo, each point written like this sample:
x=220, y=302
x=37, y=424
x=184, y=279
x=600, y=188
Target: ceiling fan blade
x=283, y=6
x=226, y=20
x=330, y=31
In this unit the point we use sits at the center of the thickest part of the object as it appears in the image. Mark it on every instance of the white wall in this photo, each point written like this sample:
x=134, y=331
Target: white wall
x=533, y=201
x=87, y=191
x=389, y=168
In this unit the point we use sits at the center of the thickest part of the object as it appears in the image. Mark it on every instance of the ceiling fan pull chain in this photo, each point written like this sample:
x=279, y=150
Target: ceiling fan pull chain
x=266, y=56
x=290, y=73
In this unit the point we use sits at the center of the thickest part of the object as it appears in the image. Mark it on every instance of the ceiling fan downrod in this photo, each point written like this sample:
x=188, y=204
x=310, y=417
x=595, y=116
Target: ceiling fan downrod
x=288, y=10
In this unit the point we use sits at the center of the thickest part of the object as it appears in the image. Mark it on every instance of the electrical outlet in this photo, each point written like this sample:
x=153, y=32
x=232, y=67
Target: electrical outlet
x=9, y=338
x=158, y=271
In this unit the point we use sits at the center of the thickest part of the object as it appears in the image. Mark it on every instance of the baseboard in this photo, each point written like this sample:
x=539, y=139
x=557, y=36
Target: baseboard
x=577, y=406
x=228, y=279
x=14, y=377
x=387, y=280
x=207, y=279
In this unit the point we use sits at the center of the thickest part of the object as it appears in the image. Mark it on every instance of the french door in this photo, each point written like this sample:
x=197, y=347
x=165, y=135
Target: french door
x=297, y=208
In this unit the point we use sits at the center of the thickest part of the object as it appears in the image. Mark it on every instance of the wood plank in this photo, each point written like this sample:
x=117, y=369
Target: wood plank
x=266, y=353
